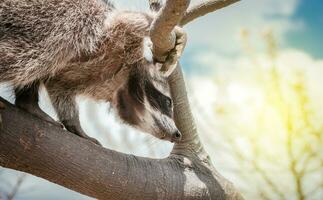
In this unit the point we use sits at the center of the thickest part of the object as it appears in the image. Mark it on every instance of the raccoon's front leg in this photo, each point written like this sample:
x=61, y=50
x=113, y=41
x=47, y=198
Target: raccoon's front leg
x=27, y=99
x=68, y=114
x=174, y=54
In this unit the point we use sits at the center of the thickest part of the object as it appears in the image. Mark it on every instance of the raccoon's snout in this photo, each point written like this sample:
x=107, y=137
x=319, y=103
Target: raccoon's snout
x=174, y=137
x=177, y=136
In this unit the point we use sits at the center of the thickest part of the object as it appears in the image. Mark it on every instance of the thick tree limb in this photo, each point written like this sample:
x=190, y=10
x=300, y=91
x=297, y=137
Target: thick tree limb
x=204, y=8
x=34, y=146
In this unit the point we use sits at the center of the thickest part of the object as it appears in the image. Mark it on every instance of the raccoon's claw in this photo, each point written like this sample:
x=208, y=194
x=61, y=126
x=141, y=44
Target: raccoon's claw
x=47, y=118
x=95, y=141
x=91, y=139
x=174, y=54
x=77, y=130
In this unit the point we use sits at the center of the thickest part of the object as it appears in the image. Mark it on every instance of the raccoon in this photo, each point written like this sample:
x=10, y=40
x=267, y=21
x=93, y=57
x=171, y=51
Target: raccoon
x=87, y=48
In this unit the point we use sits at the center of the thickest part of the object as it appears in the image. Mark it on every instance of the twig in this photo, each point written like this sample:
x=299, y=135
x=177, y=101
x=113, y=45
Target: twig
x=204, y=8
x=16, y=187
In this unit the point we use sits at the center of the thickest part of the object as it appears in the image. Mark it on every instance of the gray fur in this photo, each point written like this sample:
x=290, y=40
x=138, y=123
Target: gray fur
x=79, y=47
x=38, y=38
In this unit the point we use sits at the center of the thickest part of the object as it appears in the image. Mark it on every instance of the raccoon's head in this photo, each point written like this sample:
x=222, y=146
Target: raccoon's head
x=144, y=102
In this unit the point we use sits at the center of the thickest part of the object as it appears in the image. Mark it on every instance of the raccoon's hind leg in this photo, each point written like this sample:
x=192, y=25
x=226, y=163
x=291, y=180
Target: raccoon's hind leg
x=27, y=99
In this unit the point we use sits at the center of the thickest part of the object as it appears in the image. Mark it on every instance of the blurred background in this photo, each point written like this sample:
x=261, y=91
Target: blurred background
x=254, y=73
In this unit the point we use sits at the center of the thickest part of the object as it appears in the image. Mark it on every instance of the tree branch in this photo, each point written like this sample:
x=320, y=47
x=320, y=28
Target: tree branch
x=161, y=32
x=190, y=144
x=203, y=9
x=184, y=121
x=34, y=146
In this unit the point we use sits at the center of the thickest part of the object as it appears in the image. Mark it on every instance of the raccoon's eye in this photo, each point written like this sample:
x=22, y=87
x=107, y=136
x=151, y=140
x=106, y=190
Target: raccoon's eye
x=169, y=102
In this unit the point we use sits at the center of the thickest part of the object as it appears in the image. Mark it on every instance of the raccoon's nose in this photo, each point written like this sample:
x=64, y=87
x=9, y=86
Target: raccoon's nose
x=177, y=136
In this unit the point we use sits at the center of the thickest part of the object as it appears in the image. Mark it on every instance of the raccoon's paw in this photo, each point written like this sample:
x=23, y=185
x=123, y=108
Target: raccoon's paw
x=181, y=39
x=93, y=140
x=35, y=110
x=77, y=130
x=174, y=54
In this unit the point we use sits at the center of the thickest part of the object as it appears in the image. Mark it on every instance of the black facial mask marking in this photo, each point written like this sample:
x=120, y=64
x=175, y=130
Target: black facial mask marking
x=135, y=88
x=158, y=100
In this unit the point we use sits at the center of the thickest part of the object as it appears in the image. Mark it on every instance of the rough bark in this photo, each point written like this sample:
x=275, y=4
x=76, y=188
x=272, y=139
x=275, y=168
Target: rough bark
x=34, y=146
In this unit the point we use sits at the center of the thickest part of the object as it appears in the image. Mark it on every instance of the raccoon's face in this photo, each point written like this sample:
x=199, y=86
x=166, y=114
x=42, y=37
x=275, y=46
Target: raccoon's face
x=145, y=103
